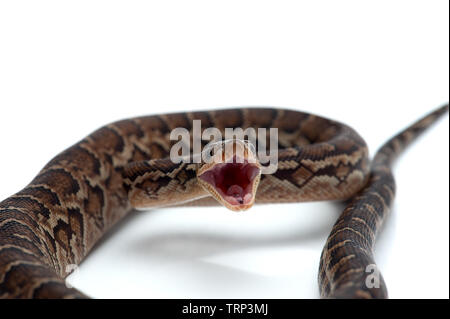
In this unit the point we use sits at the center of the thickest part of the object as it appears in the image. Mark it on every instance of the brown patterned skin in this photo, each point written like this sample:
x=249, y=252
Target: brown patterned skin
x=82, y=192
x=348, y=252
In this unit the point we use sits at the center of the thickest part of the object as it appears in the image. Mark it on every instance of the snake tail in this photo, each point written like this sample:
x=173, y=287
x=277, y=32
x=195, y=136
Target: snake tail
x=347, y=267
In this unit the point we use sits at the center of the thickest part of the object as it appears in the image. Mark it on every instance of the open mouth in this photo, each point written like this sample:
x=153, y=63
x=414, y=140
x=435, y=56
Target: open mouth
x=233, y=181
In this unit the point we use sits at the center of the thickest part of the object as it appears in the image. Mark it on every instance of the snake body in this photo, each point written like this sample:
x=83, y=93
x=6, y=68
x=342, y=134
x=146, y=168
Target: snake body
x=81, y=193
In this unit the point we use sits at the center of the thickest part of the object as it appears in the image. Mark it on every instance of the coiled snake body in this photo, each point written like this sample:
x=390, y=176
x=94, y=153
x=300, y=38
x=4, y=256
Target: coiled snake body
x=82, y=192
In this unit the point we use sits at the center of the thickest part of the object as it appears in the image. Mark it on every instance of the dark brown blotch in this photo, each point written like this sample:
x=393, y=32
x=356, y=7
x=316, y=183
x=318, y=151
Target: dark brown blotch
x=76, y=223
x=108, y=140
x=151, y=124
x=62, y=233
x=129, y=128
x=77, y=157
x=44, y=194
x=261, y=117
x=59, y=181
x=28, y=204
x=94, y=203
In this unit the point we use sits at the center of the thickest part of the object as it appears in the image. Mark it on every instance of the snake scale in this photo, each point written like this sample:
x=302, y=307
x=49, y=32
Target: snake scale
x=81, y=193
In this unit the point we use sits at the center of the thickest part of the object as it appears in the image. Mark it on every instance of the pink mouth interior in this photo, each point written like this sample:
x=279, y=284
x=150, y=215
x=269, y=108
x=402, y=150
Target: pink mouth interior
x=233, y=181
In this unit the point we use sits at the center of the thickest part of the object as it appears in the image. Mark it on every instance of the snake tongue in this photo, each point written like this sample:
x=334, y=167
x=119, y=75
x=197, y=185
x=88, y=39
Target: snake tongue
x=235, y=190
x=239, y=200
x=235, y=194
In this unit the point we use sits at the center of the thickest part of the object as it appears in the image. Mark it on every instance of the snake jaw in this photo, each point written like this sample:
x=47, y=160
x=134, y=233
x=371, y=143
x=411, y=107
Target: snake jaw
x=233, y=183
x=232, y=176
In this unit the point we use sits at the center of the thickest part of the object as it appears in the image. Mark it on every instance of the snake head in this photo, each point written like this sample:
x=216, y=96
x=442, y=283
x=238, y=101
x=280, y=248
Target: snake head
x=232, y=174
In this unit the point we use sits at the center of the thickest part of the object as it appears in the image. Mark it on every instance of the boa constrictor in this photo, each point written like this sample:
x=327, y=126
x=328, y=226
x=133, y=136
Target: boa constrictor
x=82, y=192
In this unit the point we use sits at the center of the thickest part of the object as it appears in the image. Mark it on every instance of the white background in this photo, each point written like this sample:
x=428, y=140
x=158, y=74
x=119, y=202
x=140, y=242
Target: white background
x=66, y=68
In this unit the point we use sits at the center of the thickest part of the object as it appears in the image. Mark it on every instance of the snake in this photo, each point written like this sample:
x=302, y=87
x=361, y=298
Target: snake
x=80, y=194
